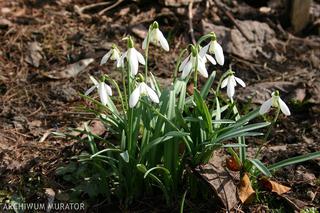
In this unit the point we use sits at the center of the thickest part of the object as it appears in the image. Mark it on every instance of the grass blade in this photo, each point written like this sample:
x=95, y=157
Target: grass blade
x=259, y=165
x=294, y=160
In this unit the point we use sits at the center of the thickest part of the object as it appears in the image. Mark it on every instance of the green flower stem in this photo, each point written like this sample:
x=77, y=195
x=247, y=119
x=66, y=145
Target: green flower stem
x=205, y=37
x=146, y=56
x=196, y=73
x=124, y=89
x=241, y=140
x=268, y=132
x=130, y=115
x=119, y=92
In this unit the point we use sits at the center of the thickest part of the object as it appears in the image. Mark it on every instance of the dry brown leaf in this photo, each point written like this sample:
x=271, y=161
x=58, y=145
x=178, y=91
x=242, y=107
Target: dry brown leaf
x=96, y=128
x=246, y=192
x=274, y=186
x=71, y=70
x=219, y=180
x=140, y=31
x=34, y=54
x=190, y=88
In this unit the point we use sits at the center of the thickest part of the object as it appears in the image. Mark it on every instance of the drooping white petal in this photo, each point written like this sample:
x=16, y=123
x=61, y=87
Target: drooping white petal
x=120, y=61
x=108, y=89
x=203, y=51
x=151, y=93
x=94, y=81
x=230, y=89
x=139, y=57
x=144, y=43
x=265, y=107
x=186, y=70
x=106, y=57
x=115, y=54
x=184, y=62
x=202, y=68
x=232, y=81
x=218, y=52
x=103, y=93
x=211, y=59
x=283, y=106
x=224, y=82
x=133, y=61
x=134, y=97
x=163, y=41
x=240, y=81
x=90, y=90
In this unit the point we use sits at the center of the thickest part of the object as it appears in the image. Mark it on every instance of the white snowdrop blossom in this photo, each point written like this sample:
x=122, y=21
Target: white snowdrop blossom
x=140, y=90
x=189, y=65
x=203, y=53
x=156, y=37
x=230, y=82
x=216, y=49
x=274, y=101
x=134, y=58
x=104, y=90
x=120, y=62
x=113, y=54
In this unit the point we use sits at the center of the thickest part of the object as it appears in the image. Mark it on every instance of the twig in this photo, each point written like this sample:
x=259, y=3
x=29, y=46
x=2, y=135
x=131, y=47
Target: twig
x=110, y=7
x=232, y=19
x=5, y=136
x=92, y=6
x=190, y=16
x=35, y=112
x=45, y=135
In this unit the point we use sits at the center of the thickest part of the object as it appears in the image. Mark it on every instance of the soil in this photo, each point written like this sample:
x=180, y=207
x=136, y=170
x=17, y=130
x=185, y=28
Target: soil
x=42, y=43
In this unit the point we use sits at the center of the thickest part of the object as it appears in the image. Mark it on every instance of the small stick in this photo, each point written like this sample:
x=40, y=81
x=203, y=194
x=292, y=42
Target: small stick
x=190, y=16
x=92, y=6
x=110, y=7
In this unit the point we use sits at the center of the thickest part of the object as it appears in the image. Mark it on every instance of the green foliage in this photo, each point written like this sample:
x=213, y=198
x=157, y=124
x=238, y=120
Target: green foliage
x=310, y=210
x=152, y=145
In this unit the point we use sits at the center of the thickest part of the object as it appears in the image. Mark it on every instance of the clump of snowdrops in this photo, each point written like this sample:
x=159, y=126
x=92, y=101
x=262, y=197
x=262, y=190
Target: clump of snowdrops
x=158, y=132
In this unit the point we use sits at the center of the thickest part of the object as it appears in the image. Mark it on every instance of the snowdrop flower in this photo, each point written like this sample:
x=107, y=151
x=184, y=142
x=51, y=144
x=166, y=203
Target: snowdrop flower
x=142, y=89
x=274, y=101
x=189, y=64
x=133, y=57
x=104, y=90
x=156, y=37
x=230, y=82
x=113, y=54
x=215, y=48
x=203, y=53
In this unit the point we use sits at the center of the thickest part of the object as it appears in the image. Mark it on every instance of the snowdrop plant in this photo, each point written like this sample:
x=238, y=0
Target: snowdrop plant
x=140, y=90
x=274, y=101
x=156, y=37
x=157, y=133
x=215, y=48
x=113, y=54
x=230, y=82
x=194, y=62
x=104, y=90
x=133, y=57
